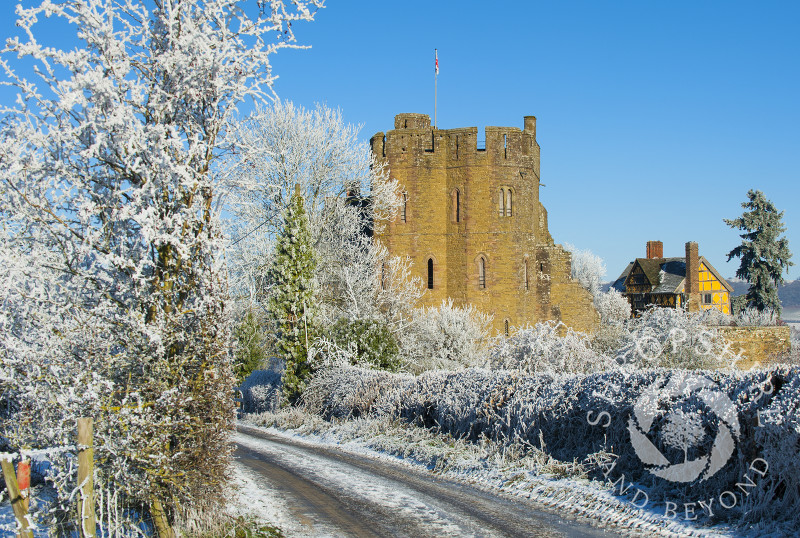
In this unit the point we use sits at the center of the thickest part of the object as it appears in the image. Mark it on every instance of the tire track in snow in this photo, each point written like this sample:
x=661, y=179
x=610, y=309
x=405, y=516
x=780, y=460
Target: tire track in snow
x=331, y=493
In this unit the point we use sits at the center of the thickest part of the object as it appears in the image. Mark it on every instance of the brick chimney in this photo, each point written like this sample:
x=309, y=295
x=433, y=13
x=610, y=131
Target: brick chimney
x=691, y=286
x=655, y=249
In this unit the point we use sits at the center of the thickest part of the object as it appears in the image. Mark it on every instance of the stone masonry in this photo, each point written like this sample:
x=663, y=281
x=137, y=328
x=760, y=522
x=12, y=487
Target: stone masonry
x=473, y=225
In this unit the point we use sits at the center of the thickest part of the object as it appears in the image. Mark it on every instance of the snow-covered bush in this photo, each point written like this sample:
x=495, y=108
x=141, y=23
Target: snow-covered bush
x=747, y=317
x=261, y=391
x=672, y=338
x=547, y=348
x=613, y=307
x=345, y=392
x=445, y=337
x=753, y=317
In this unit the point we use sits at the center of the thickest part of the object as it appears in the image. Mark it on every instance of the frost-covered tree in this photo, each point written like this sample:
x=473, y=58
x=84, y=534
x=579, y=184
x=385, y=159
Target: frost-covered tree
x=347, y=194
x=763, y=253
x=292, y=304
x=587, y=268
x=112, y=288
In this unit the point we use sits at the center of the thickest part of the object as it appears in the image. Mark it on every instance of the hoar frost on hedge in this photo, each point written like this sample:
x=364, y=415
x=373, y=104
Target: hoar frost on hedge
x=587, y=418
x=542, y=349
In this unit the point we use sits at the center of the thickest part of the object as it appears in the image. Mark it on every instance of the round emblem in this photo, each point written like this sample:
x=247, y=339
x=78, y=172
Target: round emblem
x=683, y=430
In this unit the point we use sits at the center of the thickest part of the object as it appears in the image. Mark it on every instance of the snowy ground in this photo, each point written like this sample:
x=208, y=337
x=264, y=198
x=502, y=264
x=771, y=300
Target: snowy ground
x=567, y=495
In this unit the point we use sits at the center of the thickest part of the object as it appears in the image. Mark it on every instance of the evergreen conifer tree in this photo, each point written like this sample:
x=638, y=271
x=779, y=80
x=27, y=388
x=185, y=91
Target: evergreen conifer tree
x=291, y=304
x=764, y=255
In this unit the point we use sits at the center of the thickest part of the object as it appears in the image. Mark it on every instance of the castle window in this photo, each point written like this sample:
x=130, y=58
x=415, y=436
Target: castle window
x=525, y=279
x=482, y=273
x=505, y=146
x=404, y=209
x=505, y=327
x=501, y=201
x=430, y=273
x=456, y=203
x=504, y=202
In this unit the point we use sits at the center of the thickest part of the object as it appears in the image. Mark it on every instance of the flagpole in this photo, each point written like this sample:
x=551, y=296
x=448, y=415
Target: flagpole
x=435, y=84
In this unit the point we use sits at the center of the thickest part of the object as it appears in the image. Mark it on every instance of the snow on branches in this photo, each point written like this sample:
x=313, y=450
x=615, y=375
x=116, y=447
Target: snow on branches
x=113, y=291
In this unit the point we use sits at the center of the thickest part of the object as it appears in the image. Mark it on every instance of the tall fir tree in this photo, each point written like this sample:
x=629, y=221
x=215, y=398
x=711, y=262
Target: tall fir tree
x=763, y=254
x=291, y=303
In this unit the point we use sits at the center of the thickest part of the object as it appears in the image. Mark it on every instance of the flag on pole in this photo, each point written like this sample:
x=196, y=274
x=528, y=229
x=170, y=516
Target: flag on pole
x=436, y=56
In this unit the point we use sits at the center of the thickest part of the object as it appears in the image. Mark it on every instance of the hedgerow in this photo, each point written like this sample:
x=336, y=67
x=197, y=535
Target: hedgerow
x=588, y=418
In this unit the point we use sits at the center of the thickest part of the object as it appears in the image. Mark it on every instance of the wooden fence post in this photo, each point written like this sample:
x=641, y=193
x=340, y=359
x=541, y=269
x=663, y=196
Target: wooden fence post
x=87, y=523
x=17, y=502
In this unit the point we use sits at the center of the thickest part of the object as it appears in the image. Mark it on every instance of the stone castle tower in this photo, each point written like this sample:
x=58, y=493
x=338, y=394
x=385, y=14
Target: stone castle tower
x=473, y=225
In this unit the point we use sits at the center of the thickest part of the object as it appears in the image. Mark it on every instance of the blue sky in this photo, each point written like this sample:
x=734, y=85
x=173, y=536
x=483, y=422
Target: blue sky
x=654, y=118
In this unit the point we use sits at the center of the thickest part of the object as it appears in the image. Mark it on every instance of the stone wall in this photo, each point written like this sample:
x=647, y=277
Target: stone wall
x=759, y=346
x=456, y=220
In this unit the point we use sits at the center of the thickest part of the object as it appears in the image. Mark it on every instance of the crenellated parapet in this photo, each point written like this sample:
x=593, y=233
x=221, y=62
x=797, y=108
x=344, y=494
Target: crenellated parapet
x=413, y=139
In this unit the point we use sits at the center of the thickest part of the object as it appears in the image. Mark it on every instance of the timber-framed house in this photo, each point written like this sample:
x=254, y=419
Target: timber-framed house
x=689, y=282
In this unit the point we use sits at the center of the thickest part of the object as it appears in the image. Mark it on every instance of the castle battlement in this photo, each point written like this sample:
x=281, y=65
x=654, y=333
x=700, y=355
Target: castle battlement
x=414, y=138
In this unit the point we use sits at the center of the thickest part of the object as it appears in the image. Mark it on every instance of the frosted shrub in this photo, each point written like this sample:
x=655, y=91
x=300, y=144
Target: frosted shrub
x=748, y=317
x=673, y=338
x=753, y=317
x=261, y=391
x=343, y=392
x=714, y=318
x=613, y=307
x=541, y=349
x=446, y=337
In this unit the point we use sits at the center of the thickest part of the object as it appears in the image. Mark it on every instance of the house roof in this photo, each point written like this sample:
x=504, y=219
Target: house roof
x=666, y=275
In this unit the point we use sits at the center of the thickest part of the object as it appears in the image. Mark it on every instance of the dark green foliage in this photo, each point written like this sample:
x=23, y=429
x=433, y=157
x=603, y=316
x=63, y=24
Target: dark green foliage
x=370, y=340
x=251, y=346
x=291, y=303
x=738, y=304
x=763, y=254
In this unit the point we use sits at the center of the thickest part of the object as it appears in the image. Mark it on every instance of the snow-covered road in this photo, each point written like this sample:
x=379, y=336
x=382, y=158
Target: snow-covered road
x=320, y=491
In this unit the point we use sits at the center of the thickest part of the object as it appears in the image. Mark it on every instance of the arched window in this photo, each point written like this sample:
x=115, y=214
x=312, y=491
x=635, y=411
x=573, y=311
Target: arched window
x=404, y=209
x=482, y=273
x=505, y=327
x=508, y=203
x=456, y=204
x=430, y=273
x=501, y=202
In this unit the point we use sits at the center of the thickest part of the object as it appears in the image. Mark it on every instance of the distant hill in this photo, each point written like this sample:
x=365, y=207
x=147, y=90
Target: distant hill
x=789, y=293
